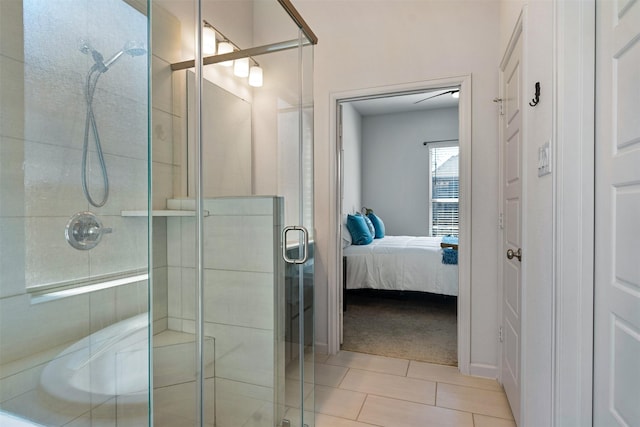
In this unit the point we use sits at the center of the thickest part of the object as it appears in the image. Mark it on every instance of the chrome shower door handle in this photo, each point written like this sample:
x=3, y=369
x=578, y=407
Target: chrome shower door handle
x=305, y=244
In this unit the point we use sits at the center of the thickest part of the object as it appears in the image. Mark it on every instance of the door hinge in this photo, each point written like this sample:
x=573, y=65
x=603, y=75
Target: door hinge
x=501, y=221
x=499, y=102
x=500, y=337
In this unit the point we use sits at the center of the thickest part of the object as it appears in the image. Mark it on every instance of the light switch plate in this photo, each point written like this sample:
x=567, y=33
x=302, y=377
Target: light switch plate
x=544, y=159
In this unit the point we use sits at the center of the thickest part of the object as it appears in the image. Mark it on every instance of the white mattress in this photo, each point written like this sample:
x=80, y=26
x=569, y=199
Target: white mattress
x=404, y=263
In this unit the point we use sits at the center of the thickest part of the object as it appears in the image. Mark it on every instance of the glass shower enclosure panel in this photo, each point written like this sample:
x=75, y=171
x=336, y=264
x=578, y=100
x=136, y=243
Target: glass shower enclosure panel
x=74, y=267
x=244, y=274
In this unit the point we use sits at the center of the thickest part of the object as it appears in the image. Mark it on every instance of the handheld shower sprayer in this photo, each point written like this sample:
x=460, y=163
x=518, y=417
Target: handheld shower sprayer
x=131, y=48
x=100, y=67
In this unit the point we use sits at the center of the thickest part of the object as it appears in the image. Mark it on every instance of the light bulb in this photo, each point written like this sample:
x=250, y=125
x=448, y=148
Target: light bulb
x=255, y=76
x=225, y=47
x=241, y=67
x=208, y=41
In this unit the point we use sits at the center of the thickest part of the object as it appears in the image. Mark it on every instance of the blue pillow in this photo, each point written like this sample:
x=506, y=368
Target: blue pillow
x=377, y=224
x=360, y=234
x=452, y=240
x=370, y=226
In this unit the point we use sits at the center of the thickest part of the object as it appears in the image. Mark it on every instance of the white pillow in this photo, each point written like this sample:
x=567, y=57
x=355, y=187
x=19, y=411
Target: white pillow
x=346, y=234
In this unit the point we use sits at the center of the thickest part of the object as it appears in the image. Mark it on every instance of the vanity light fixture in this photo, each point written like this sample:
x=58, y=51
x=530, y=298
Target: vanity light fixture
x=241, y=67
x=216, y=43
x=209, y=40
x=225, y=47
x=255, y=76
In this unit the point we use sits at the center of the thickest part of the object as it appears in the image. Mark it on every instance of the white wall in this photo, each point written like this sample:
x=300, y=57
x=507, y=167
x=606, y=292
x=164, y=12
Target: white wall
x=408, y=47
x=352, y=158
x=395, y=169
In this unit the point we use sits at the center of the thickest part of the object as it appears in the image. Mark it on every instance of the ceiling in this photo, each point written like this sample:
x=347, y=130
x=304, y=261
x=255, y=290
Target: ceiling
x=407, y=102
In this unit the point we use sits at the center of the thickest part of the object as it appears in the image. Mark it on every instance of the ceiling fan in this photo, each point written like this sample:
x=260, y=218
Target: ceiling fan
x=452, y=92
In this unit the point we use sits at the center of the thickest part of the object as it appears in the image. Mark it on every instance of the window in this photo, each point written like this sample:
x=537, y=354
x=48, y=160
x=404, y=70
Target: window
x=443, y=189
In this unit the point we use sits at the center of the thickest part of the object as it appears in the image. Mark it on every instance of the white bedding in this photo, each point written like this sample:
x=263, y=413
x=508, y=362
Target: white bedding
x=405, y=263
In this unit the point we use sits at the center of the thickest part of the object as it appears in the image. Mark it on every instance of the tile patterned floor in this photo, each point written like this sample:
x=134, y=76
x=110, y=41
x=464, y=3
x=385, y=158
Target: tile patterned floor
x=364, y=390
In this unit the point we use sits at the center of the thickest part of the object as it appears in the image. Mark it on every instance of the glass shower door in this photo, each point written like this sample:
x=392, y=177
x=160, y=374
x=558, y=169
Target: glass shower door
x=242, y=274
x=297, y=172
x=258, y=254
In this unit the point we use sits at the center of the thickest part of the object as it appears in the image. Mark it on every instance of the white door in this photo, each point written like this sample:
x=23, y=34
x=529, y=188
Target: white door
x=617, y=248
x=511, y=140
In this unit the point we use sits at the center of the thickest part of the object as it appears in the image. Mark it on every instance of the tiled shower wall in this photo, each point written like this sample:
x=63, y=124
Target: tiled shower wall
x=243, y=291
x=42, y=111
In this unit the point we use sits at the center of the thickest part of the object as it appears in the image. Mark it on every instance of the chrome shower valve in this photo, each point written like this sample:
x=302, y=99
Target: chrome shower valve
x=84, y=231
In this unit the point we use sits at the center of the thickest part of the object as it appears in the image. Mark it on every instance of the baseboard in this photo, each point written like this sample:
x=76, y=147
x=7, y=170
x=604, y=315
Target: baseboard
x=160, y=325
x=322, y=348
x=481, y=370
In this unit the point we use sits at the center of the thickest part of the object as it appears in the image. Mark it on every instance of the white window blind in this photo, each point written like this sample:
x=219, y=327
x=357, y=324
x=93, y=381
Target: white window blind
x=443, y=189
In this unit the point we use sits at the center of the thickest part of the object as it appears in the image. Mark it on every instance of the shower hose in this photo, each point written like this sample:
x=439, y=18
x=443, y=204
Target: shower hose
x=90, y=126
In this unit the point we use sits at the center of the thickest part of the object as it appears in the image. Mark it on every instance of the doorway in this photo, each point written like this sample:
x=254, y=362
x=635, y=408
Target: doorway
x=373, y=106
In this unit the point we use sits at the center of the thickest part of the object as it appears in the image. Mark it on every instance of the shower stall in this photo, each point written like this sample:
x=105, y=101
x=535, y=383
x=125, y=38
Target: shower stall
x=156, y=213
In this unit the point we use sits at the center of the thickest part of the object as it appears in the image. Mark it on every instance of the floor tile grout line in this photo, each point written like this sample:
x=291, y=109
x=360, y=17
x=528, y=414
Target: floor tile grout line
x=390, y=397
x=499, y=388
x=492, y=380
x=385, y=372
x=394, y=375
x=349, y=419
x=342, y=379
x=366, y=396
x=493, y=390
x=340, y=386
x=475, y=387
x=479, y=413
x=434, y=406
x=365, y=371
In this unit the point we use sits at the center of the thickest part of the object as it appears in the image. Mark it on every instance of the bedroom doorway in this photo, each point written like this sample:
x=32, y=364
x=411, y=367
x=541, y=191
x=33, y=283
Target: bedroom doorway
x=428, y=323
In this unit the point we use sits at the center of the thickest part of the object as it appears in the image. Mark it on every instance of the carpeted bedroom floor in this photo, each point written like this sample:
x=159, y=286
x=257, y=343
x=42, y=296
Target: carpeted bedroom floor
x=413, y=326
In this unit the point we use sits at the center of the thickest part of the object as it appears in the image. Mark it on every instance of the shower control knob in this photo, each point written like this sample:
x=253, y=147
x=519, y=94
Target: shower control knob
x=84, y=231
x=99, y=230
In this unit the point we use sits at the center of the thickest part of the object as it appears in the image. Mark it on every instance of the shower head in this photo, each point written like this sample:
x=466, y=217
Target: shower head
x=130, y=48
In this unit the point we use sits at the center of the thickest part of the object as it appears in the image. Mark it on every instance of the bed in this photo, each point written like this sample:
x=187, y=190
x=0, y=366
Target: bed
x=401, y=263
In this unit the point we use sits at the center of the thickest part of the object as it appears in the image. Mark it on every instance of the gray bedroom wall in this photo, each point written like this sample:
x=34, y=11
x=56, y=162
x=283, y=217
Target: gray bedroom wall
x=395, y=170
x=352, y=158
